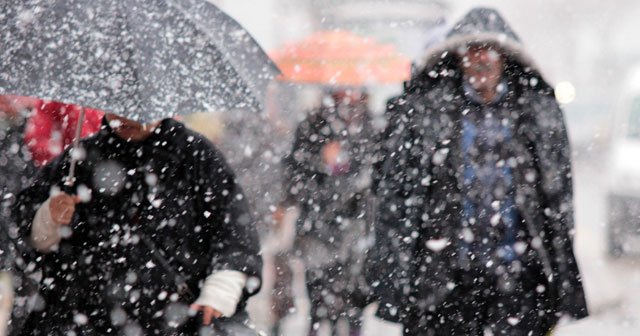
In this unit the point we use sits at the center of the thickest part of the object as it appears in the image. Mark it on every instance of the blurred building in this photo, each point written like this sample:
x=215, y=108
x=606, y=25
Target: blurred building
x=409, y=24
x=406, y=23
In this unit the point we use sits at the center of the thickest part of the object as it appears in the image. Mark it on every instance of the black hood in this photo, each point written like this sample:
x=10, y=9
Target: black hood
x=480, y=26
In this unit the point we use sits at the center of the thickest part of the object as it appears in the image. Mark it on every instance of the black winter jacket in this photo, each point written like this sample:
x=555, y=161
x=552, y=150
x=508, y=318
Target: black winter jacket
x=421, y=175
x=173, y=188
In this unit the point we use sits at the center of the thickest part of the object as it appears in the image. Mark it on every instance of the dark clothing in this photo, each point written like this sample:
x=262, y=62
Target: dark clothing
x=174, y=189
x=508, y=304
x=16, y=171
x=420, y=222
x=237, y=325
x=332, y=228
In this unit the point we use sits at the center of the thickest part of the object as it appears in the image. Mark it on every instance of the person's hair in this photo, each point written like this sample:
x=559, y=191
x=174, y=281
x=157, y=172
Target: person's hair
x=460, y=52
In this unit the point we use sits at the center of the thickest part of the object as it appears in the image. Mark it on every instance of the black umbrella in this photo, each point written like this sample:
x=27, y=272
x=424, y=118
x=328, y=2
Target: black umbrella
x=142, y=59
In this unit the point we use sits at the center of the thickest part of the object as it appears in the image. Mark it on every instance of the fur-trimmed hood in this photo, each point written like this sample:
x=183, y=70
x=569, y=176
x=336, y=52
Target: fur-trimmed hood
x=480, y=26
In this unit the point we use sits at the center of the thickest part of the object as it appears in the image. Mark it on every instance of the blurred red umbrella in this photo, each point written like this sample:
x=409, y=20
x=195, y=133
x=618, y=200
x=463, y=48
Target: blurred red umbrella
x=341, y=58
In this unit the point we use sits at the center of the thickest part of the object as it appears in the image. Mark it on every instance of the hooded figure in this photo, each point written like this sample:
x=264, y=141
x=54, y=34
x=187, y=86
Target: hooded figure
x=159, y=221
x=327, y=176
x=475, y=228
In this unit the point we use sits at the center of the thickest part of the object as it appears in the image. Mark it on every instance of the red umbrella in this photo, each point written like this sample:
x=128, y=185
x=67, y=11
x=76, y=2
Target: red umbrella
x=341, y=58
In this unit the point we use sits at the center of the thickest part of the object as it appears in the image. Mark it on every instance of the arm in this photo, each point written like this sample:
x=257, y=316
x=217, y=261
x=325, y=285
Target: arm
x=236, y=263
x=553, y=154
x=55, y=212
x=33, y=211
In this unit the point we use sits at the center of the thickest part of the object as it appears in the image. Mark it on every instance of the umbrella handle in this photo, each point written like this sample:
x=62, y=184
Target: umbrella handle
x=70, y=180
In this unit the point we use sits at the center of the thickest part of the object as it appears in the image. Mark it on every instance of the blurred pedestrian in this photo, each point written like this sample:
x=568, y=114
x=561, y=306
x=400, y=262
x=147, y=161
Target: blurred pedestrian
x=327, y=175
x=476, y=226
x=16, y=170
x=154, y=223
x=52, y=127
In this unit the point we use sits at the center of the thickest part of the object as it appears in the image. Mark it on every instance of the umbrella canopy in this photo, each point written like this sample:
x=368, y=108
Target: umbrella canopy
x=142, y=59
x=341, y=58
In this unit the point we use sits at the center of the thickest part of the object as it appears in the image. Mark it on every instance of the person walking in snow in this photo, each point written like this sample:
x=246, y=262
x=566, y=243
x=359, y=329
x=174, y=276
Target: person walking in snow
x=327, y=177
x=476, y=224
x=154, y=224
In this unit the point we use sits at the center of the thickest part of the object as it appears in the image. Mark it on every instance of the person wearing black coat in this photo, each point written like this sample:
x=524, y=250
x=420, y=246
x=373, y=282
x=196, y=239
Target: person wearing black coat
x=327, y=175
x=154, y=220
x=475, y=228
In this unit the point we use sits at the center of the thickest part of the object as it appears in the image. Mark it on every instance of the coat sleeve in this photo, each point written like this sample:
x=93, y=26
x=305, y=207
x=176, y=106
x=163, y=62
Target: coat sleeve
x=553, y=154
x=395, y=180
x=32, y=197
x=224, y=211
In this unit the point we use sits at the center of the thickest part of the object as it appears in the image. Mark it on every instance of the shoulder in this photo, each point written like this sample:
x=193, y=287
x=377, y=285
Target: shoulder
x=196, y=148
x=541, y=105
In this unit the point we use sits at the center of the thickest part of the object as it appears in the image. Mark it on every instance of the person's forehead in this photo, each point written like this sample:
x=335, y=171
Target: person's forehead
x=477, y=49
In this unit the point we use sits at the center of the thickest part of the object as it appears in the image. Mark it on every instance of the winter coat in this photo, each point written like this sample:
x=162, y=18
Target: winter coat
x=332, y=225
x=52, y=127
x=420, y=217
x=324, y=197
x=173, y=188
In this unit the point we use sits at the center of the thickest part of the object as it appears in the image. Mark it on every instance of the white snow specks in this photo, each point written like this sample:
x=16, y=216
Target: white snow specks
x=520, y=247
x=495, y=219
x=84, y=193
x=536, y=242
x=25, y=18
x=440, y=156
x=467, y=235
x=253, y=284
x=437, y=245
x=80, y=319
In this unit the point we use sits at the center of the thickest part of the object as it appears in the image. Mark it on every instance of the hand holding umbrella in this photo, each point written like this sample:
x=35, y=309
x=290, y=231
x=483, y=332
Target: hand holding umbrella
x=62, y=208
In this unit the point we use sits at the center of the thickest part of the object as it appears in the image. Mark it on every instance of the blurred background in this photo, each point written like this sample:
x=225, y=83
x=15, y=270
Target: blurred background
x=585, y=48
